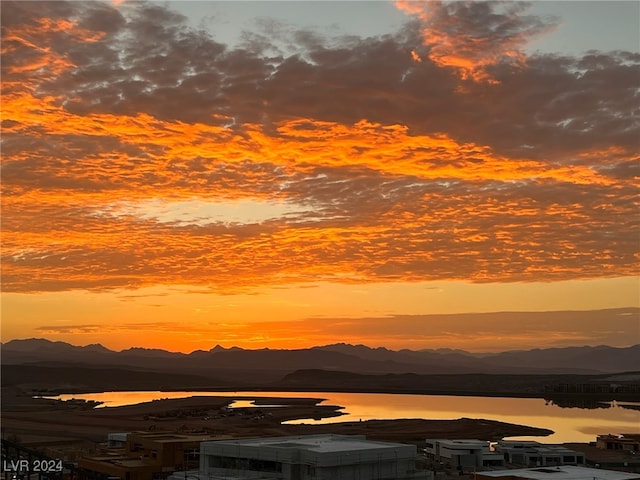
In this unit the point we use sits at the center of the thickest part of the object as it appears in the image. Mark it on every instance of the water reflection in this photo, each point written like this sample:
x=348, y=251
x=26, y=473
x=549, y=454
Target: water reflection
x=570, y=424
x=578, y=403
x=573, y=402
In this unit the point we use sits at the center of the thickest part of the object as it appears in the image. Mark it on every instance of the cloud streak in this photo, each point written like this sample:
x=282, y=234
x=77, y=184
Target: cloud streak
x=474, y=332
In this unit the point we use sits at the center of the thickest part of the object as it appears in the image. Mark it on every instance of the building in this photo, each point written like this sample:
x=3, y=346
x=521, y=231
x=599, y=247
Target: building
x=146, y=455
x=309, y=457
x=117, y=440
x=565, y=472
x=627, y=442
x=612, y=458
x=119, y=465
x=463, y=453
x=535, y=454
x=173, y=451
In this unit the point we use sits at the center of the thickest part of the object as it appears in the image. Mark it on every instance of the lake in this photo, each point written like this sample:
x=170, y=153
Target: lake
x=570, y=424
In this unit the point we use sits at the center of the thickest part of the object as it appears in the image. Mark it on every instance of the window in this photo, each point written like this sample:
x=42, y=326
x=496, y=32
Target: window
x=191, y=454
x=264, y=465
x=235, y=463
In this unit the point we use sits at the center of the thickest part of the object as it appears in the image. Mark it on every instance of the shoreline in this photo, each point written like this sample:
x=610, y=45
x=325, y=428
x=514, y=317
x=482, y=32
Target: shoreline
x=597, y=397
x=39, y=421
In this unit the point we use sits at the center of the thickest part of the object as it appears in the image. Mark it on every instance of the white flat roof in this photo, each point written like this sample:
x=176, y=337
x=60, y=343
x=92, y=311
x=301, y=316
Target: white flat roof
x=463, y=442
x=196, y=475
x=316, y=443
x=565, y=472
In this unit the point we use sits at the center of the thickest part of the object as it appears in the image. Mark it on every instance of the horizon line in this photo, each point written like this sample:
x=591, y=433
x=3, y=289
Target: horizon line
x=346, y=344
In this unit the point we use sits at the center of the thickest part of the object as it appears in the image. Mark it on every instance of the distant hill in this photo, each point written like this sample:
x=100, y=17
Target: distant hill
x=338, y=357
x=552, y=360
x=498, y=385
x=82, y=379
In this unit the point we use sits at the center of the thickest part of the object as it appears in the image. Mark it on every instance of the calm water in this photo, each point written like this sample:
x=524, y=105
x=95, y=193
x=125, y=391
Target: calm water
x=570, y=424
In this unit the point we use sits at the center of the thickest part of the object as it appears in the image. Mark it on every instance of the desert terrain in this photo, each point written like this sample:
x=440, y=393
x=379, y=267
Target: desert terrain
x=45, y=421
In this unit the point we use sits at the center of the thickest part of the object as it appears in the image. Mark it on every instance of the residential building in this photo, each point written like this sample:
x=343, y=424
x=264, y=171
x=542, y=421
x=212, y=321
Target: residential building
x=119, y=465
x=564, y=472
x=612, y=458
x=533, y=453
x=171, y=450
x=463, y=453
x=146, y=455
x=309, y=457
x=627, y=442
x=117, y=440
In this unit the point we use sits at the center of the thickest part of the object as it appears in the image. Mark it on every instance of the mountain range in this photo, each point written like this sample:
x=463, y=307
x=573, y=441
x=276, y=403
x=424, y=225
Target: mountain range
x=269, y=364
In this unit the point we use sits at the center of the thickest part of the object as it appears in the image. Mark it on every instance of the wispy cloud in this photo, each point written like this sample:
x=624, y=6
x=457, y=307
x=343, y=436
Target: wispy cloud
x=475, y=331
x=69, y=329
x=90, y=329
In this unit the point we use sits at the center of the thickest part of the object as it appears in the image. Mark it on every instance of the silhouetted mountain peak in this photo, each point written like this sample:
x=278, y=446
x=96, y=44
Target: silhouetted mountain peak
x=353, y=349
x=96, y=347
x=150, y=352
x=39, y=344
x=339, y=356
x=359, y=346
x=220, y=348
x=442, y=351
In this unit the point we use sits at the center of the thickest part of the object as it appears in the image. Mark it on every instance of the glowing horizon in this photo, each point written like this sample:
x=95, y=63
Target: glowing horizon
x=163, y=183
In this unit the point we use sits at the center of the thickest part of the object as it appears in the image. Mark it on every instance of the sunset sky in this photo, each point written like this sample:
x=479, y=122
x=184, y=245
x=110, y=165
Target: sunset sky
x=287, y=174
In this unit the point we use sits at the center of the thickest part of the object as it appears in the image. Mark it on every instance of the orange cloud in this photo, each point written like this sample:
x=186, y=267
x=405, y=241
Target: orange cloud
x=391, y=175
x=471, y=36
x=388, y=149
x=430, y=208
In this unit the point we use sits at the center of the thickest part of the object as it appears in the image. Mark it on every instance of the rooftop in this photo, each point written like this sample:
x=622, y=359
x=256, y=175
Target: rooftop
x=523, y=443
x=461, y=442
x=118, y=460
x=566, y=472
x=316, y=443
x=542, y=449
x=172, y=437
x=605, y=456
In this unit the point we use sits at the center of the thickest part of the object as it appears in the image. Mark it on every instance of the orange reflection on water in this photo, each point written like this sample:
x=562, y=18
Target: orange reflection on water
x=569, y=424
